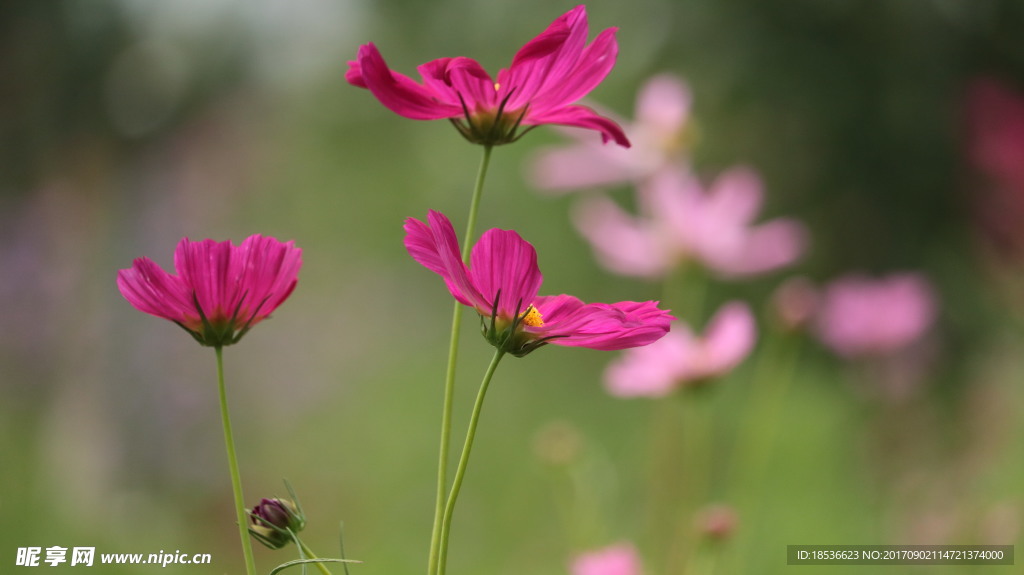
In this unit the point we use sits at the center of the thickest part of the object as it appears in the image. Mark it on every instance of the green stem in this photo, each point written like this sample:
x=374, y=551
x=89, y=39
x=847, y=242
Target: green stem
x=460, y=472
x=474, y=204
x=310, y=555
x=236, y=480
x=449, y=381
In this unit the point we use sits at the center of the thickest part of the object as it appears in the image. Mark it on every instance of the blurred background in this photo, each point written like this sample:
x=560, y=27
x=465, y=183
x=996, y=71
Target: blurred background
x=893, y=130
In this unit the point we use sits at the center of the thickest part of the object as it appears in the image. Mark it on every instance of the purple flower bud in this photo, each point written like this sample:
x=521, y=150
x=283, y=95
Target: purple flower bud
x=274, y=520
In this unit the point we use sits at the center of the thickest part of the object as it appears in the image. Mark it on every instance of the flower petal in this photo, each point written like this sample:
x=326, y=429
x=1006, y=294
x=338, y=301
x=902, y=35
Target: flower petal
x=623, y=244
x=594, y=64
x=152, y=290
x=652, y=370
x=580, y=117
x=535, y=64
x=436, y=248
x=728, y=338
x=599, y=325
x=503, y=261
x=397, y=92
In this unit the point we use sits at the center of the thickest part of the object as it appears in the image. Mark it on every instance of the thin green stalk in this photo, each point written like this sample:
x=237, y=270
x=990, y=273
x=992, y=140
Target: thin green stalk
x=474, y=204
x=460, y=472
x=449, y=381
x=236, y=480
x=310, y=555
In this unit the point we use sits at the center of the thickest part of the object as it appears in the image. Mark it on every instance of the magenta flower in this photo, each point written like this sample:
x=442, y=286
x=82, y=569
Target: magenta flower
x=546, y=77
x=502, y=282
x=682, y=358
x=995, y=146
x=683, y=222
x=658, y=134
x=221, y=290
x=859, y=316
x=618, y=559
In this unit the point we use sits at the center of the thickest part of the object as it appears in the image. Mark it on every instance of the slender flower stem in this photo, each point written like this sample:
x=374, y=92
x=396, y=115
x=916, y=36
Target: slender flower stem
x=449, y=382
x=310, y=555
x=460, y=472
x=236, y=480
x=474, y=204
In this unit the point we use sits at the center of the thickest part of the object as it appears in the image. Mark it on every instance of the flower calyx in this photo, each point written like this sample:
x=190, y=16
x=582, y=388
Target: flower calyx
x=510, y=336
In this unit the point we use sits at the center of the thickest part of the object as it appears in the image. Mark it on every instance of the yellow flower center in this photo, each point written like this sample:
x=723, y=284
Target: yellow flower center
x=532, y=317
x=497, y=86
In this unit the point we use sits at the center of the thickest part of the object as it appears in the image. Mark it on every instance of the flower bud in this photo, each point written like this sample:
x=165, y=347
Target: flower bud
x=273, y=521
x=717, y=522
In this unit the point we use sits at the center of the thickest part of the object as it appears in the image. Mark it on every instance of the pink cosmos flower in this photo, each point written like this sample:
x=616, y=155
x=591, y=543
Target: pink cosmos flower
x=682, y=358
x=546, y=77
x=220, y=290
x=683, y=222
x=658, y=135
x=502, y=282
x=860, y=316
x=619, y=559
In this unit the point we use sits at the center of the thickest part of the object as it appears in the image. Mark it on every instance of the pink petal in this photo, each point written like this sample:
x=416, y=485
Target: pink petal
x=397, y=92
x=580, y=117
x=152, y=290
x=664, y=102
x=545, y=58
x=620, y=559
x=594, y=64
x=623, y=244
x=729, y=337
x=455, y=81
x=604, y=326
x=503, y=261
x=652, y=370
x=436, y=248
x=560, y=170
x=735, y=196
x=760, y=249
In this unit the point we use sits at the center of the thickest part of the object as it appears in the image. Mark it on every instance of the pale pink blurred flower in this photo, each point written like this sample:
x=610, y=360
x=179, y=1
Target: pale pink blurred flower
x=794, y=302
x=860, y=316
x=683, y=222
x=717, y=521
x=682, y=357
x=618, y=559
x=658, y=136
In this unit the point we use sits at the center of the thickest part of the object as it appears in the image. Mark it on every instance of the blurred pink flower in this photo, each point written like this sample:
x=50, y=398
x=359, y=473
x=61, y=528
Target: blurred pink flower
x=684, y=222
x=860, y=316
x=995, y=116
x=221, y=290
x=682, y=358
x=619, y=559
x=502, y=282
x=995, y=146
x=546, y=77
x=657, y=134
x=795, y=302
